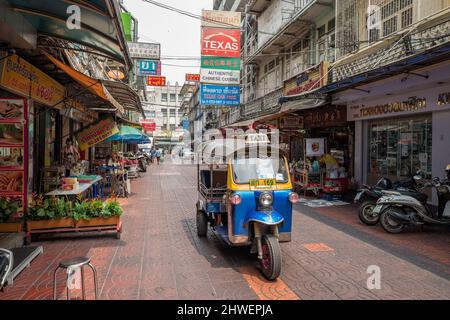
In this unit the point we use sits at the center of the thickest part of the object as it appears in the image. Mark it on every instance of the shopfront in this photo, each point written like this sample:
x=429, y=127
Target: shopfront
x=402, y=125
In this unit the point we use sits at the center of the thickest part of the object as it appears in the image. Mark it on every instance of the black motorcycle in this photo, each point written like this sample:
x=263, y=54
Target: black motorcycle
x=368, y=196
x=6, y=265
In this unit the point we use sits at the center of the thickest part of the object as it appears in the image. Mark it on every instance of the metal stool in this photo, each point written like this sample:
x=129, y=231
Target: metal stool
x=78, y=262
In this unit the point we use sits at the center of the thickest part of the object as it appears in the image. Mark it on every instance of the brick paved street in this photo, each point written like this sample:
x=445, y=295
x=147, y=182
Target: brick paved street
x=160, y=256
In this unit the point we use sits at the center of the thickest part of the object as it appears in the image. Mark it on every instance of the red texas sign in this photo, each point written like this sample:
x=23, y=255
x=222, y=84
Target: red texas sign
x=221, y=42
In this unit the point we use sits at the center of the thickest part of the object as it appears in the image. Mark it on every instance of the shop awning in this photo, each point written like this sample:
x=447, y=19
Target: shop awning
x=308, y=100
x=100, y=27
x=119, y=94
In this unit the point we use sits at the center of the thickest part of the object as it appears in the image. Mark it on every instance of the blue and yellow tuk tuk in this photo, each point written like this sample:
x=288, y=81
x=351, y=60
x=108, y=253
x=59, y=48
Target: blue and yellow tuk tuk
x=247, y=201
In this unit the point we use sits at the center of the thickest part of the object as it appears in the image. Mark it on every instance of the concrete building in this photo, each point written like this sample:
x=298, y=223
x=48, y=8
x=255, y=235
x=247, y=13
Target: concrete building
x=163, y=105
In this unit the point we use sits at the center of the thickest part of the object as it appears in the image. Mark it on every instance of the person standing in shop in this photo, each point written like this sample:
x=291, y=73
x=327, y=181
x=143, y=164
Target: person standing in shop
x=70, y=156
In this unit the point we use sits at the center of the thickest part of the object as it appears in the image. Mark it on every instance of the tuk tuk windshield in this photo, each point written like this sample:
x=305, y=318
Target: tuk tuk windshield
x=247, y=169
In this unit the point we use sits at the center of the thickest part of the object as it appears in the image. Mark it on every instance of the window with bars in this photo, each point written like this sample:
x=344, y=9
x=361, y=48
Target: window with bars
x=391, y=16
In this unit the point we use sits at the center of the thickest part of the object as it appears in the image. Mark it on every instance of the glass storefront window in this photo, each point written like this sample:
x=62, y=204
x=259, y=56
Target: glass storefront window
x=399, y=147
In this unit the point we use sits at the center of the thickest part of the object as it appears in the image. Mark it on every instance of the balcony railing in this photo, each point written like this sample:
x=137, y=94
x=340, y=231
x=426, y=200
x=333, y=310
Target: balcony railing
x=406, y=46
x=263, y=105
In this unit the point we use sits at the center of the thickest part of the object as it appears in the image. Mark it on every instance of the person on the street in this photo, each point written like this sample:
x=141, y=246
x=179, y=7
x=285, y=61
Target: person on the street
x=158, y=155
x=70, y=156
x=152, y=155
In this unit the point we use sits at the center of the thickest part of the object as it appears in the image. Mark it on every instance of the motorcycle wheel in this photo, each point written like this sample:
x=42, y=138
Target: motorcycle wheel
x=388, y=224
x=271, y=261
x=366, y=215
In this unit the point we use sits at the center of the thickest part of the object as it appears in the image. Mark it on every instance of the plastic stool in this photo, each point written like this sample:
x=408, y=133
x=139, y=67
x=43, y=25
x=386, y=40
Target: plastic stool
x=78, y=262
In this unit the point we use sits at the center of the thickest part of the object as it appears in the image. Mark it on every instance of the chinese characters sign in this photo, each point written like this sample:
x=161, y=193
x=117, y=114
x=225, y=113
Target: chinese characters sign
x=192, y=77
x=221, y=63
x=142, y=50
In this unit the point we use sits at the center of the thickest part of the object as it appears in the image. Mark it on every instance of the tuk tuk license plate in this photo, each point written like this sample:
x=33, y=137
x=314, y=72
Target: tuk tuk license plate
x=262, y=183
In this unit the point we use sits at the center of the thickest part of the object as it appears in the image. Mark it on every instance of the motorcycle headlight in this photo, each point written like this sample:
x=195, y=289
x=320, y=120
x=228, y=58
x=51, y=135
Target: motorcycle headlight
x=266, y=199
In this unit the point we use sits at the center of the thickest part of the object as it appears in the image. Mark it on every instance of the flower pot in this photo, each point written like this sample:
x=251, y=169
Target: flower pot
x=11, y=227
x=50, y=224
x=94, y=222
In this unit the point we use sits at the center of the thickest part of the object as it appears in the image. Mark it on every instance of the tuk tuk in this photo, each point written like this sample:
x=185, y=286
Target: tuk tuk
x=246, y=200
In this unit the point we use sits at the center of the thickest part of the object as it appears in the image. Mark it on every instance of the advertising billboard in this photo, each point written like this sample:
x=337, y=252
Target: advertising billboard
x=144, y=50
x=221, y=42
x=220, y=95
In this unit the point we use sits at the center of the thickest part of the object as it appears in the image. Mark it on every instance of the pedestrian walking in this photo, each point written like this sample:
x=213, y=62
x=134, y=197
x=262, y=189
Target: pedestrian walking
x=158, y=155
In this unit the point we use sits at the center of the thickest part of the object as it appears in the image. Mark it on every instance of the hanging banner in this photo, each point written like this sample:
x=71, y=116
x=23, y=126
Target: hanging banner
x=221, y=19
x=221, y=42
x=22, y=78
x=220, y=76
x=96, y=133
x=149, y=68
x=221, y=63
x=220, y=95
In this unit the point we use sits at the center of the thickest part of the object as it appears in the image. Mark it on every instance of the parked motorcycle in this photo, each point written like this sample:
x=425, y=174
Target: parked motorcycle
x=142, y=163
x=6, y=265
x=368, y=196
x=398, y=211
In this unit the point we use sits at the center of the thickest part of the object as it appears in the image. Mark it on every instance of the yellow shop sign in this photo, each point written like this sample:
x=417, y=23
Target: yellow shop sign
x=24, y=79
x=96, y=133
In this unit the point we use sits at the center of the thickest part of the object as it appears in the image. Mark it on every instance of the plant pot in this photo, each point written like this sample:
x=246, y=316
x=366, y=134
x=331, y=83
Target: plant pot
x=50, y=224
x=94, y=222
x=11, y=227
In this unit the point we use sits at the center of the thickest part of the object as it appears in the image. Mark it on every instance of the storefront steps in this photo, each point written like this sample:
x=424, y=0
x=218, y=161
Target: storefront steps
x=12, y=240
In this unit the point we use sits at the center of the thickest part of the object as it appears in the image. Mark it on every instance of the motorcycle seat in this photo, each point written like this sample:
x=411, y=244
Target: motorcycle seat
x=421, y=197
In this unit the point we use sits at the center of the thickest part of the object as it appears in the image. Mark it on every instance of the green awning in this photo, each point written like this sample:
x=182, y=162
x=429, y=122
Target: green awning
x=101, y=27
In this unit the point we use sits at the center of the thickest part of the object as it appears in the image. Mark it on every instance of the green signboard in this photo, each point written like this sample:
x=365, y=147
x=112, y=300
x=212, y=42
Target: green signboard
x=221, y=63
x=126, y=22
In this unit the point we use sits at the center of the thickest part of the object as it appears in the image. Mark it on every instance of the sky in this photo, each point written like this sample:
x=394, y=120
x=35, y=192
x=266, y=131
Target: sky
x=179, y=35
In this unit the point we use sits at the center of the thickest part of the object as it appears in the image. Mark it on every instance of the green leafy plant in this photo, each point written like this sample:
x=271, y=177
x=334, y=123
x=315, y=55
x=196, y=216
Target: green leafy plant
x=81, y=210
x=112, y=208
x=96, y=208
x=41, y=209
x=7, y=209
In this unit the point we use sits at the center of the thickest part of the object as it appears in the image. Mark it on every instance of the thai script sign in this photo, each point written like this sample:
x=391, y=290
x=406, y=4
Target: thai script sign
x=96, y=133
x=24, y=79
x=221, y=19
x=311, y=79
x=220, y=95
x=143, y=50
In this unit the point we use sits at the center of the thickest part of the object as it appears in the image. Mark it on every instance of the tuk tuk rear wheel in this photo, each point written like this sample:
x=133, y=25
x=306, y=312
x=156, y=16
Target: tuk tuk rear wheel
x=271, y=260
x=202, y=223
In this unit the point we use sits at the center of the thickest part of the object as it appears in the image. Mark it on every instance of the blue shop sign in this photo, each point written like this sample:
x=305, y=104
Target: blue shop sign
x=149, y=68
x=220, y=95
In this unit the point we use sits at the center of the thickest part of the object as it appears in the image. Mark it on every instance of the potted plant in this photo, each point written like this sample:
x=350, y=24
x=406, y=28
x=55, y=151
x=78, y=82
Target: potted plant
x=101, y=213
x=49, y=213
x=8, y=208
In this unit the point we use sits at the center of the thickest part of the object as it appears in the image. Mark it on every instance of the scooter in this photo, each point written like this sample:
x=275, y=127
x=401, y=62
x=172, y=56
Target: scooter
x=398, y=211
x=6, y=265
x=142, y=163
x=368, y=196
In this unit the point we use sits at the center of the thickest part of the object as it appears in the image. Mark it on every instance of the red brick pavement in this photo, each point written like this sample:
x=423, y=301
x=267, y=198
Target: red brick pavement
x=160, y=256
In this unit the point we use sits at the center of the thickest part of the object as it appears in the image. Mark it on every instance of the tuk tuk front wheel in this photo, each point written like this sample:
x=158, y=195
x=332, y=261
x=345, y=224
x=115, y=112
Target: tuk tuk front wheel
x=271, y=259
x=202, y=224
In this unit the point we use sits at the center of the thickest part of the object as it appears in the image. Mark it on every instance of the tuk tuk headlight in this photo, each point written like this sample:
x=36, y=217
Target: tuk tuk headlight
x=266, y=199
x=293, y=197
x=235, y=199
